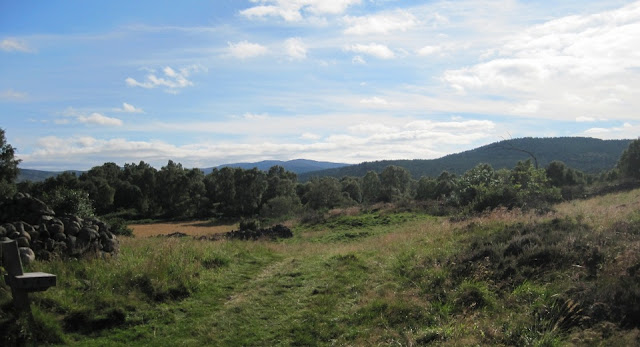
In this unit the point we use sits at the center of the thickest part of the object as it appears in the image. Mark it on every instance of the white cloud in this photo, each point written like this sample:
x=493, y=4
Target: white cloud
x=374, y=101
x=172, y=79
x=429, y=50
x=254, y=116
x=581, y=64
x=98, y=119
x=373, y=49
x=382, y=23
x=295, y=48
x=296, y=10
x=529, y=107
x=128, y=108
x=15, y=45
x=12, y=95
x=359, y=141
x=245, y=49
x=358, y=60
x=626, y=131
x=310, y=136
x=583, y=119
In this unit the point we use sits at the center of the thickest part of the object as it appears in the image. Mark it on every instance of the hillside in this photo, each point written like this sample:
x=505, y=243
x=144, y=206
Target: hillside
x=583, y=153
x=299, y=166
x=39, y=175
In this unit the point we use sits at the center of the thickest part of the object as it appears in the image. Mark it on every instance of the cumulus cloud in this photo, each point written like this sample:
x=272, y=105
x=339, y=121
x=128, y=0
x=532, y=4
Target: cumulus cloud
x=358, y=60
x=99, y=119
x=94, y=118
x=374, y=101
x=245, y=49
x=128, y=108
x=356, y=139
x=296, y=10
x=295, y=48
x=15, y=45
x=373, y=49
x=172, y=80
x=382, y=23
x=429, y=50
x=310, y=136
x=624, y=131
x=581, y=64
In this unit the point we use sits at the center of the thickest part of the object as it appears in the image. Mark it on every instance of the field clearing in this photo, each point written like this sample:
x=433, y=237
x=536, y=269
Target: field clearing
x=505, y=277
x=191, y=228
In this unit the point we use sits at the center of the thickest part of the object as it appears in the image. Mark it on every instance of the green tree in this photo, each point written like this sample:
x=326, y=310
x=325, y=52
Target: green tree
x=370, y=187
x=629, y=163
x=426, y=189
x=8, y=167
x=324, y=193
x=351, y=187
x=64, y=200
x=395, y=183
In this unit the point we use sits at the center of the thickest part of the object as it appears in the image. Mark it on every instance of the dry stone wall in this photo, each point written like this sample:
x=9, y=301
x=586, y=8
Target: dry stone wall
x=41, y=234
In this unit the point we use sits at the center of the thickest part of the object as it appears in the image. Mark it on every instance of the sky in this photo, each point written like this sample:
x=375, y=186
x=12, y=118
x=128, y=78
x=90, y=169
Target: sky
x=206, y=83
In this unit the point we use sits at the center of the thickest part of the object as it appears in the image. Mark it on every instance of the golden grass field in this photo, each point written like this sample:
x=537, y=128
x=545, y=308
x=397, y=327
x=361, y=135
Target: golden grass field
x=192, y=228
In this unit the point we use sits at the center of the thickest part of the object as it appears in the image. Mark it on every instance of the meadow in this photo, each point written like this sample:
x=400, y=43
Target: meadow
x=387, y=275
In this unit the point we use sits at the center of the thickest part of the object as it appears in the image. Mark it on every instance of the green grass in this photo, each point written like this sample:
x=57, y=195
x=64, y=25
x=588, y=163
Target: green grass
x=503, y=278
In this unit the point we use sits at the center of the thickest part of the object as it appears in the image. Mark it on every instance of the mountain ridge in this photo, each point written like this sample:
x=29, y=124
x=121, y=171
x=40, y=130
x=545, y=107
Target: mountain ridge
x=587, y=154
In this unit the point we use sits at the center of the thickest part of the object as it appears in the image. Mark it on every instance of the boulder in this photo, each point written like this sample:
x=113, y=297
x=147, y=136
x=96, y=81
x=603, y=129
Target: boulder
x=27, y=255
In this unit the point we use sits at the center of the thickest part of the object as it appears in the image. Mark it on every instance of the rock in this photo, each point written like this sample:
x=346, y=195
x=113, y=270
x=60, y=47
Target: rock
x=22, y=242
x=56, y=228
x=109, y=245
x=26, y=255
x=36, y=228
x=25, y=235
x=72, y=228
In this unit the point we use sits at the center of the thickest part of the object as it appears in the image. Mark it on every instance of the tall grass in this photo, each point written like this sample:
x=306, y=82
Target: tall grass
x=361, y=278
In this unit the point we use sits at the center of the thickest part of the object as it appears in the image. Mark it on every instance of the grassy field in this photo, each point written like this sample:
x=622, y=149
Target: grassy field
x=568, y=277
x=192, y=228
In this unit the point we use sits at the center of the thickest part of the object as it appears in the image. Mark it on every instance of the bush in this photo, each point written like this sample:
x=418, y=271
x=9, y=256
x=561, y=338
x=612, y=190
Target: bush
x=119, y=227
x=70, y=201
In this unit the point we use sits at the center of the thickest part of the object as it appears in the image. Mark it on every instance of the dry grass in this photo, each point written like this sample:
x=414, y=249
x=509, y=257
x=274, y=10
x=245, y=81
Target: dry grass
x=193, y=228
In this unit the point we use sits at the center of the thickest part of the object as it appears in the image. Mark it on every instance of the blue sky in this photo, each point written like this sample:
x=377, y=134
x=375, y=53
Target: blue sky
x=205, y=83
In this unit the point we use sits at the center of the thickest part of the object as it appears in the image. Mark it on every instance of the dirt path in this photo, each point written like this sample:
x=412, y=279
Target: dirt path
x=193, y=228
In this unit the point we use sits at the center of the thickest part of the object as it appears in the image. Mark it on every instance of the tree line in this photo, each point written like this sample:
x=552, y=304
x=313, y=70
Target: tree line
x=138, y=191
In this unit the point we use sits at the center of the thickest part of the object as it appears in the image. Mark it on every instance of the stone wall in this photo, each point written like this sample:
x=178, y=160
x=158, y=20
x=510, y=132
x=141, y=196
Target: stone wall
x=41, y=234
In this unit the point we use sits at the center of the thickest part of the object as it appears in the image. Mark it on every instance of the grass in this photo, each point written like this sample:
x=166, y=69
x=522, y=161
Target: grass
x=360, y=278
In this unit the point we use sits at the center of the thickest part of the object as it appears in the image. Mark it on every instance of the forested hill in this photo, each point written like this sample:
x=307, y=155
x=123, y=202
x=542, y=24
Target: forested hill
x=583, y=153
x=39, y=176
x=299, y=166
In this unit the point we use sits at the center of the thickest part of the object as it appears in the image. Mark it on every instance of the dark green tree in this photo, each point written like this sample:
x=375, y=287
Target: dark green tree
x=324, y=193
x=370, y=187
x=8, y=167
x=395, y=183
x=351, y=187
x=629, y=163
x=426, y=189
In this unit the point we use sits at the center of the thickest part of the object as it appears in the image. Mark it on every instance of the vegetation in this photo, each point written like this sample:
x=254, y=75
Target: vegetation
x=362, y=278
x=520, y=256
x=584, y=154
x=8, y=167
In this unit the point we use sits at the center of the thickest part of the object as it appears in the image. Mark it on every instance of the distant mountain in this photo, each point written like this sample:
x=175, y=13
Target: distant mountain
x=298, y=166
x=583, y=153
x=38, y=175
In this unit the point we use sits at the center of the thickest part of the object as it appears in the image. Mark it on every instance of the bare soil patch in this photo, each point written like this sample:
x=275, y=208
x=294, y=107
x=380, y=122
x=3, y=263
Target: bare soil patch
x=191, y=228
